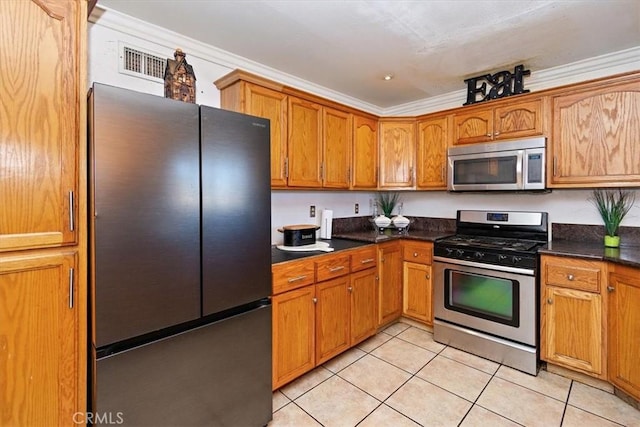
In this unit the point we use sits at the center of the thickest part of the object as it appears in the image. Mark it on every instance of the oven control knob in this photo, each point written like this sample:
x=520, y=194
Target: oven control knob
x=517, y=259
x=502, y=257
x=449, y=251
x=459, y=252
x=479, y=255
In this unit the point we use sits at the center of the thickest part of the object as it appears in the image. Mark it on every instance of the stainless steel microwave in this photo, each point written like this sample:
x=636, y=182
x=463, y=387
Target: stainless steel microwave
x=517, y=165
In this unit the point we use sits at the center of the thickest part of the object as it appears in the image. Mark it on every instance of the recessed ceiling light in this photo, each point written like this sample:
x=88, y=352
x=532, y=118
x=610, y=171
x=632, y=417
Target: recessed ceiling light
x=388, y=77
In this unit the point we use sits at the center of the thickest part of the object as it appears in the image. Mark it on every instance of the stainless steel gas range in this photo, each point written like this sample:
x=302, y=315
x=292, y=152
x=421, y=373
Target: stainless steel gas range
x=486, y=289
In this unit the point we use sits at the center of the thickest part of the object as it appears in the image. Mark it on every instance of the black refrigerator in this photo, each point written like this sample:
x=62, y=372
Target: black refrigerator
x=180, y=263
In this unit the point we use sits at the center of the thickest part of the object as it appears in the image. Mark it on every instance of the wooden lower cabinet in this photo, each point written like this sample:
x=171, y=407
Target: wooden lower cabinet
x=42, y=366
x=364, y=305
x=390, y=287
x=624, y=329
x=332, y=318
x=573, y=329
x=417, y=292
x=293, y=334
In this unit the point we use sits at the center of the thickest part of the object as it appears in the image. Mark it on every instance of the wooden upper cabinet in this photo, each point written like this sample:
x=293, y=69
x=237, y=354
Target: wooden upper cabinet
x=397, y=153
x=364, y=169
x=246, y=97
x=518, y=120
x=40, y=353
x=506, y=120
x=272, y=105
x=304, y=143
x=474, y=126
x=43, y=111
x=336, y=161
x=431, y=153
x=595, y=137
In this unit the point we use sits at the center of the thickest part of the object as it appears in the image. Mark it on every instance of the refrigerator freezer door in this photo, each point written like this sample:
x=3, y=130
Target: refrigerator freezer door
x=216, y=375
x=236, y=209
x=145, y=190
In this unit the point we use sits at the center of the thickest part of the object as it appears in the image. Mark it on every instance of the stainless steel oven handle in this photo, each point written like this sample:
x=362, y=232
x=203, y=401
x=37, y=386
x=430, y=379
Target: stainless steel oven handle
x=525, y=271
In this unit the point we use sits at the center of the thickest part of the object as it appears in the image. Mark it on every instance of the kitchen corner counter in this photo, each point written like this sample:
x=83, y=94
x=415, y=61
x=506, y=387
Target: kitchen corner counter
x=374, y=237
x=338, y=244
x=625, y=255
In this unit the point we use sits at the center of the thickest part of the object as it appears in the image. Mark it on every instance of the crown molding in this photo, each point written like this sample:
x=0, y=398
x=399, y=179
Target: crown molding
x=154, y=34
x=575, y=72
x=591, y=68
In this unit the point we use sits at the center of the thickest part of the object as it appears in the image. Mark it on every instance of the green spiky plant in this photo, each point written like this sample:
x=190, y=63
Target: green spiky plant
x=387, y=202
x=613, y=206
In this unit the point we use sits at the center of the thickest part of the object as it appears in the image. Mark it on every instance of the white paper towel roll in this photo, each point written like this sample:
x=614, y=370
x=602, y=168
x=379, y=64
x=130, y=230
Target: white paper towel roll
x=325, y=225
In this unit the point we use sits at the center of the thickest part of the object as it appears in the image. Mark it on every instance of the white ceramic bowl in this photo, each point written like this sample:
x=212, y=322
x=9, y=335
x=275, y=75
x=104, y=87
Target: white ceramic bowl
x=382, y=221
x=400, y=221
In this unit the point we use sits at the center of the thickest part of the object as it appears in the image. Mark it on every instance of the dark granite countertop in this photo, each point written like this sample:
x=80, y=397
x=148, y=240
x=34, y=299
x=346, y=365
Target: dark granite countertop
x=278, y=255
x=627, y=255
x=375, y=237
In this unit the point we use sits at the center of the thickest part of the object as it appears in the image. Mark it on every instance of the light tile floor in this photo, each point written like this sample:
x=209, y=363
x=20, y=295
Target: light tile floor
x=402, y=377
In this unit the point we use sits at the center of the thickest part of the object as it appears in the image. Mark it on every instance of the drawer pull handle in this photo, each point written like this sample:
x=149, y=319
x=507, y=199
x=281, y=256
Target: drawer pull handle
x=338, y=268
x=295, y=279
x=367, y=261
x=570, y=276
x=611, y=288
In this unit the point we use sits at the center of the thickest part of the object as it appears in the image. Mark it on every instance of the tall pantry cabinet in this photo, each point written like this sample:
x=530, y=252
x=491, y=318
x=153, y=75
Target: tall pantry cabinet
x=43, y=212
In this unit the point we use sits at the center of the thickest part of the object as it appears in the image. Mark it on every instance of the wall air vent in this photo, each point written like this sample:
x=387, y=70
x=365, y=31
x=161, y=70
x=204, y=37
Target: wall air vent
x=142, y=64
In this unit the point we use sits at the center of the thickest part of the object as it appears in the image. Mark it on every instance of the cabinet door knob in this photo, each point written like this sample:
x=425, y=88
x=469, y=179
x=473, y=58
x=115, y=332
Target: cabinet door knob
x=415, y=254
x=381, y=259
x=611, y=288
x=350, y=289
x=549, y=301
x=570, y=276
x=428, y=276
x=489, y=135
x=496, y=133
x=315, y=300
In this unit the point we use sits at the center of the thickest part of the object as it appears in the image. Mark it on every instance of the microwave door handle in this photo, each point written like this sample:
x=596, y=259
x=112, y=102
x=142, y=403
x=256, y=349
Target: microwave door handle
x=520, y=168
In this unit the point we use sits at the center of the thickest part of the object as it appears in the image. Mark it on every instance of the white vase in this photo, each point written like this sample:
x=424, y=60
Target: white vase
x=382, y=221
x=400, y=221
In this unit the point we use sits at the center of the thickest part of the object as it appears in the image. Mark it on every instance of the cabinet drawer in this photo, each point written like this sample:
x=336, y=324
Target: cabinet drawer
x=292, y=275
x=362, y=259
x=572, y=273
x=420, y=252
x=328, y=267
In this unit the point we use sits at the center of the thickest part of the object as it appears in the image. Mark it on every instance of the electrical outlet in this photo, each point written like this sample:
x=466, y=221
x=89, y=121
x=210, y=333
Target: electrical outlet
x=357, y=208
x=312, y=211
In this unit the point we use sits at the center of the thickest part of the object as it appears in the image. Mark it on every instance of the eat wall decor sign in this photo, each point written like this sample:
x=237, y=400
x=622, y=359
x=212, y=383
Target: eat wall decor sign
x=501, y=84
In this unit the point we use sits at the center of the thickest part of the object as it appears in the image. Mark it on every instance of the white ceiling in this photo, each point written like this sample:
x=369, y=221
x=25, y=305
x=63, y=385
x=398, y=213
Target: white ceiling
x=430, y=46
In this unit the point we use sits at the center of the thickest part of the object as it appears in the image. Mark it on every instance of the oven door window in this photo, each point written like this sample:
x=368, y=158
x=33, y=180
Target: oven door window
x=489, y=170
x=486, y=297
